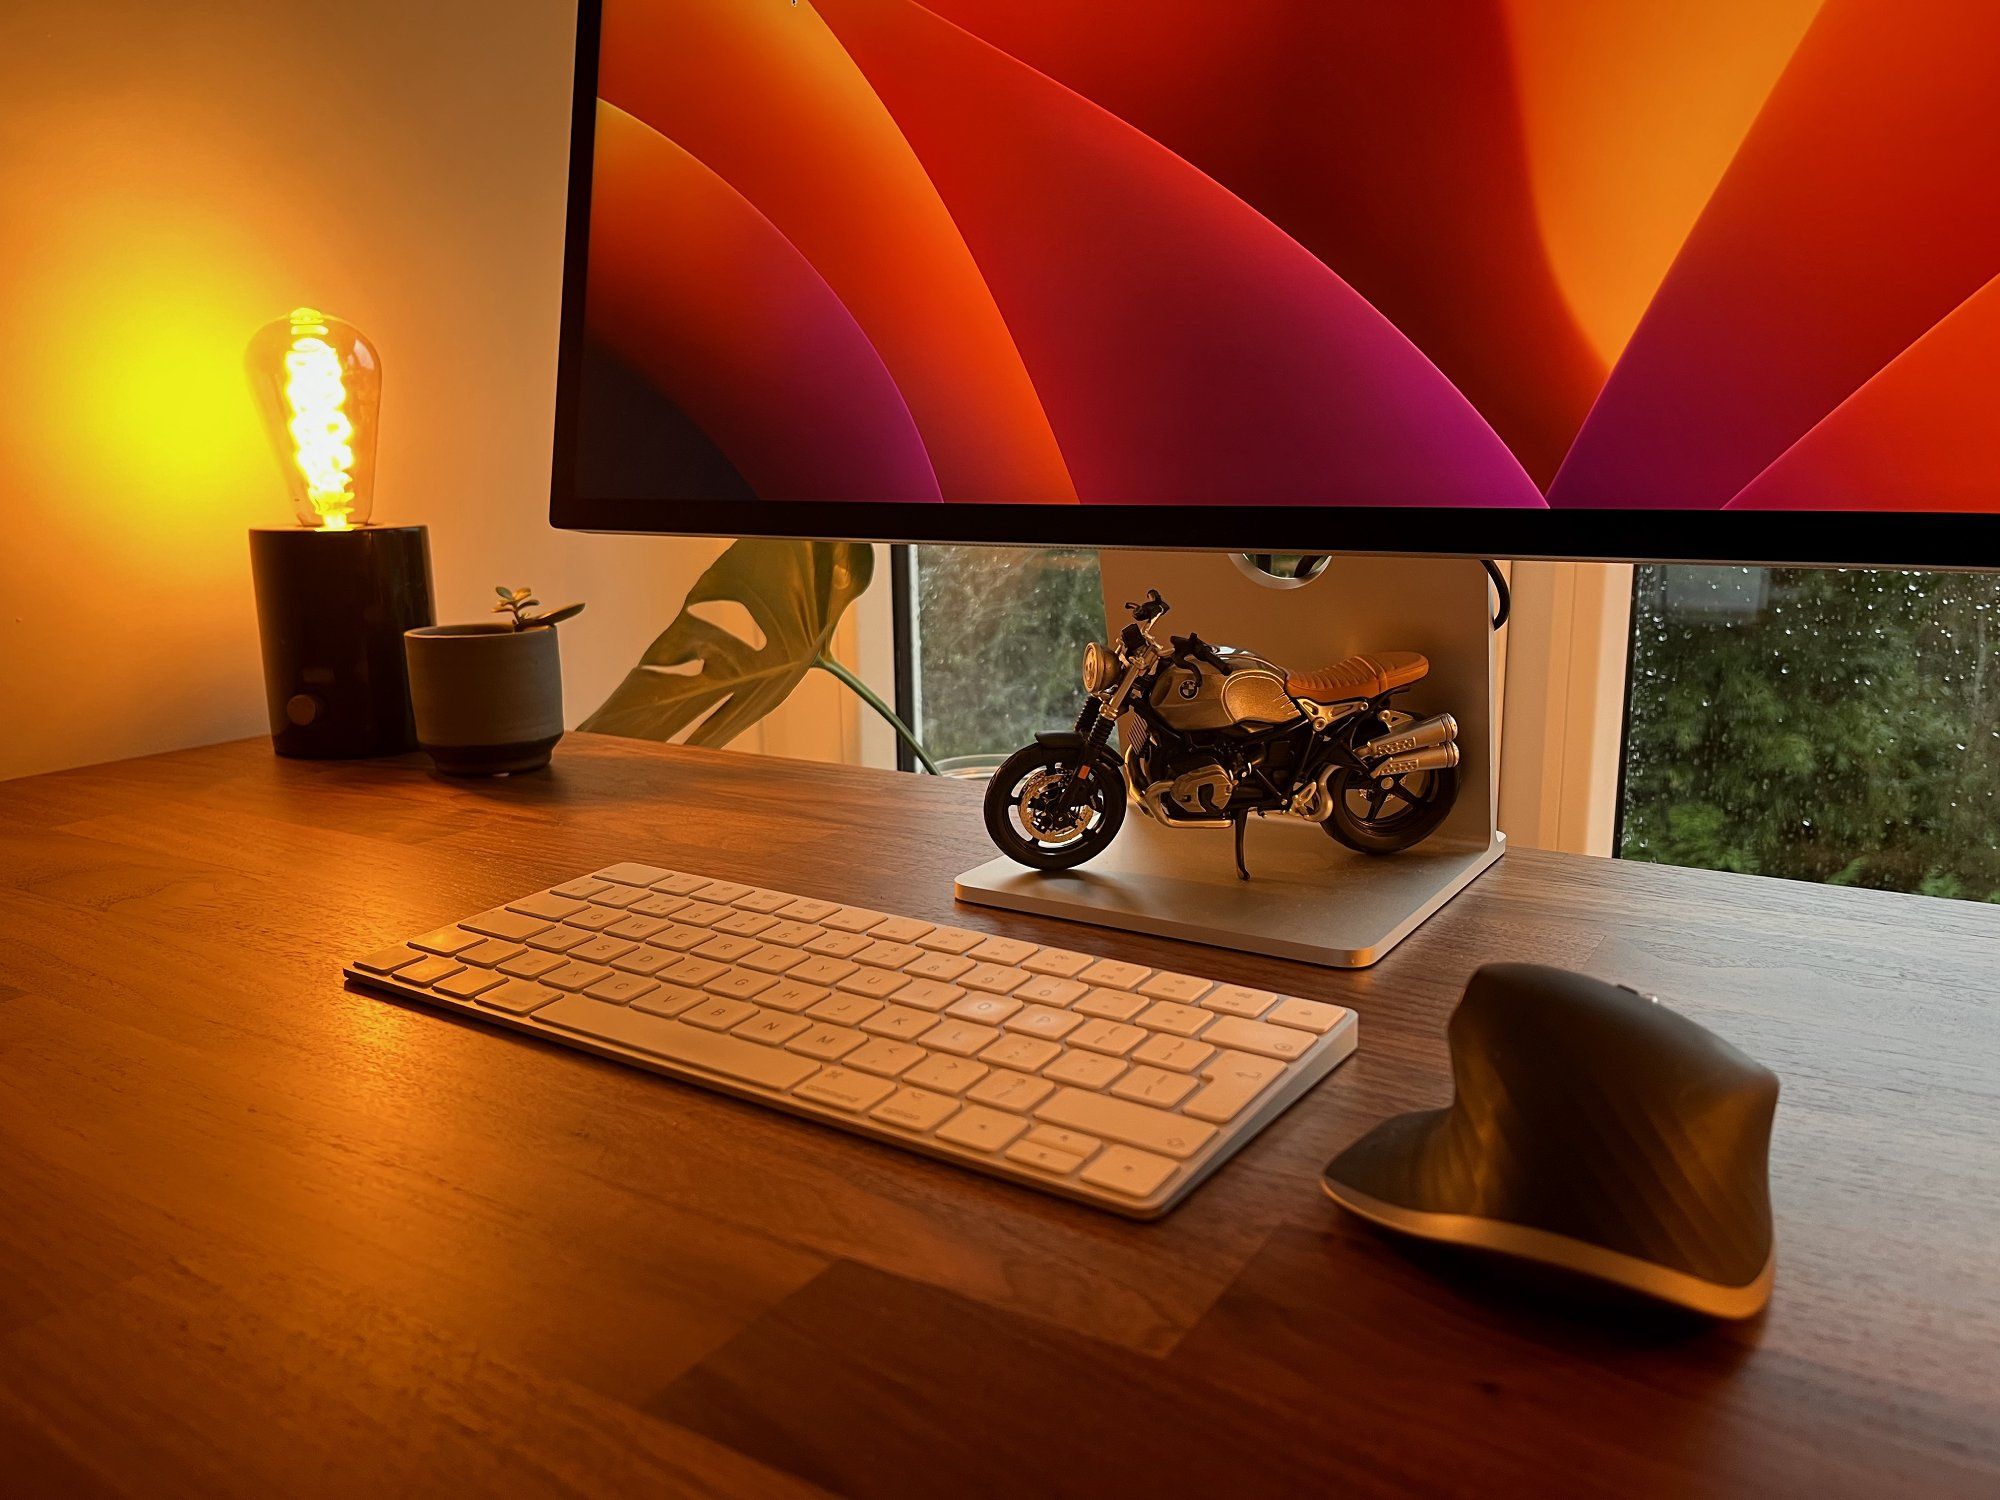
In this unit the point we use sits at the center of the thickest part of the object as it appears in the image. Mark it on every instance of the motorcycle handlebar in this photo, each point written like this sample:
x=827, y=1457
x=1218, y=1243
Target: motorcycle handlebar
x=1151, y=608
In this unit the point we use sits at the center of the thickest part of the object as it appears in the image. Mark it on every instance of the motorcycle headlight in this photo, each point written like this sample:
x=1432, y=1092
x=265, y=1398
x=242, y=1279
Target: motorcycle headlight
x=1100, y=668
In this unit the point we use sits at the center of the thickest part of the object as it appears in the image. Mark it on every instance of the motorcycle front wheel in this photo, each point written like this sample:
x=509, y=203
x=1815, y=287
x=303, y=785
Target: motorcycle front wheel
x=1033, y=823
x=1387, y=815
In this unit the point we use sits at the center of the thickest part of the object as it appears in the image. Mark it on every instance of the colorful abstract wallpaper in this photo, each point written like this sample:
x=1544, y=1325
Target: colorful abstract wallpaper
x=1632, y=254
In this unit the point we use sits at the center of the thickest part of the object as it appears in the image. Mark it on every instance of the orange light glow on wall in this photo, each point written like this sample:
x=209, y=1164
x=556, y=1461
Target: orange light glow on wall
x=318, y=385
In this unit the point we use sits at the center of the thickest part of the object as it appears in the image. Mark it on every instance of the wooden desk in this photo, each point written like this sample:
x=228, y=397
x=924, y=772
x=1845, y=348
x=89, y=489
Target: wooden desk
x=260, y=1235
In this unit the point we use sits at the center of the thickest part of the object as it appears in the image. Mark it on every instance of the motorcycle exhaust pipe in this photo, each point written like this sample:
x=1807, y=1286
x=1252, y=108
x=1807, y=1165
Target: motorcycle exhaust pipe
x=1429, y=758
x=1440, y=730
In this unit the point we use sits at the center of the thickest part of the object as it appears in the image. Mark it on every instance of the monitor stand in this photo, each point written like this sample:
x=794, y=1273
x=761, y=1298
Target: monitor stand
x=1308, y=897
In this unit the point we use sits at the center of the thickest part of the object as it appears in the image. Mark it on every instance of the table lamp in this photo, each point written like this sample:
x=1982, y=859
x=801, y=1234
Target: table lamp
x=335, y=592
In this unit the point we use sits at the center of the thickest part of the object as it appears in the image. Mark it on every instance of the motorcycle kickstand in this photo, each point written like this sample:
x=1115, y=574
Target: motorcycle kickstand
x=1242, y=822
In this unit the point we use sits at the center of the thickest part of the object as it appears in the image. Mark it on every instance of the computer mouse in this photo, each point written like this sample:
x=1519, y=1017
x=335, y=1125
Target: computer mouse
x=1592, y=1129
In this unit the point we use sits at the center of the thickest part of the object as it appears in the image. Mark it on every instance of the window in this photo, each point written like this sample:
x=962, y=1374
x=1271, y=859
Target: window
x=1816, y=724
x=992, y=645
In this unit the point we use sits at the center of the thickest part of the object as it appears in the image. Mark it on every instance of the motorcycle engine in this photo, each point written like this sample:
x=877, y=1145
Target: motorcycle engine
x=1202, y=786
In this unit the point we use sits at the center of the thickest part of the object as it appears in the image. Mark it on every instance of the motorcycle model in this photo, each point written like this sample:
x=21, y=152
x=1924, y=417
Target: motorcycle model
x=1212, y=734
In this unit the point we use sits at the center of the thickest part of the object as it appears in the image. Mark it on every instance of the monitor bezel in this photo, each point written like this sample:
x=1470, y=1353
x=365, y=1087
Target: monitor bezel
x=1956, y=540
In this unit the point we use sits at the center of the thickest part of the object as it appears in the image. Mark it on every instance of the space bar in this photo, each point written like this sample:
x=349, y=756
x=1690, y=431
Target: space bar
x=731, y=1057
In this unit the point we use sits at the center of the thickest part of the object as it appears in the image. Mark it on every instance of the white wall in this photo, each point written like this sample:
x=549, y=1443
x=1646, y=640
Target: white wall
x=172, y=177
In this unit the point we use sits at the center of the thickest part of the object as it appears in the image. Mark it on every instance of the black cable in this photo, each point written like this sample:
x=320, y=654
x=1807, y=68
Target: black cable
x=1505, y=605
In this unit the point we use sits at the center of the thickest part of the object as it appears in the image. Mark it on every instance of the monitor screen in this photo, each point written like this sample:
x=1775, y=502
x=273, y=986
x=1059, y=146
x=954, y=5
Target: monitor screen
x=1594, y=278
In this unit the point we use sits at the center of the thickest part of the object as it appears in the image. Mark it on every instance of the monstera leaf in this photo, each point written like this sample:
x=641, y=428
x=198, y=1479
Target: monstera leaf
x=795, y=591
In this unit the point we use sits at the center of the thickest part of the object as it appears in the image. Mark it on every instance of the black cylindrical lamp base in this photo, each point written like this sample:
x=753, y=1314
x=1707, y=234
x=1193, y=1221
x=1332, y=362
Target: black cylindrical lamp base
x=332, y=607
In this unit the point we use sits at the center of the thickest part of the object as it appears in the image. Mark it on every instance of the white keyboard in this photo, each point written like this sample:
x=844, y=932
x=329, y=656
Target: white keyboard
x=1107, y=1082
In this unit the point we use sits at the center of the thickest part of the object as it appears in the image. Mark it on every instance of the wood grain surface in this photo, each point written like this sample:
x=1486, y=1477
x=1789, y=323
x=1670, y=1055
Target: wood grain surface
x=263, y=1235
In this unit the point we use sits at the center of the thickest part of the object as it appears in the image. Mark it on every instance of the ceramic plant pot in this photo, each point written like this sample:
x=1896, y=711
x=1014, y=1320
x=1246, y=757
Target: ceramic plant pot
x=487, y=698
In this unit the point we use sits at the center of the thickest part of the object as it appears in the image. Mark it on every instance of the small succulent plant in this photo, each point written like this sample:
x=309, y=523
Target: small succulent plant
x=517, y=602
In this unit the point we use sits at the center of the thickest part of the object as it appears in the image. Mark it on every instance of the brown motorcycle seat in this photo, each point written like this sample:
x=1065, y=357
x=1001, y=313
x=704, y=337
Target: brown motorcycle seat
x=1359, y=676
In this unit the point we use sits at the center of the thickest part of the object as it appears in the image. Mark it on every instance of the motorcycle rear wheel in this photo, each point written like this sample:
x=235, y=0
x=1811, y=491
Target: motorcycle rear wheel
x=1025, y=825
x=1375, y=819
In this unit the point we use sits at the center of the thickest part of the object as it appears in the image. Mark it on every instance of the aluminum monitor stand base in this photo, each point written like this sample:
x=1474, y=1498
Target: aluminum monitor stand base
x=1308, y=897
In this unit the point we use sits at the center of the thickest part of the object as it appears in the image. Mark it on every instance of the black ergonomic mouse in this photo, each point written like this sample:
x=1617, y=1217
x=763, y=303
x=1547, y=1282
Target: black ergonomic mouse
x=1591, y=1129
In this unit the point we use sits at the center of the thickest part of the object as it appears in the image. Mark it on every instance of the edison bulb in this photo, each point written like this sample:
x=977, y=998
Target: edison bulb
x=318, y=385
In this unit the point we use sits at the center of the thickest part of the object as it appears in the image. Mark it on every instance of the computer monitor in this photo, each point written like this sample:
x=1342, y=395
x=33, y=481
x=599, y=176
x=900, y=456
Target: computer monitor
x=1598, y=279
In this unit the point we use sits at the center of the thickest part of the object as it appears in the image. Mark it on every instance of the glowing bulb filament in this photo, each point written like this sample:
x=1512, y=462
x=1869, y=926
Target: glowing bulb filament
x=316, y=395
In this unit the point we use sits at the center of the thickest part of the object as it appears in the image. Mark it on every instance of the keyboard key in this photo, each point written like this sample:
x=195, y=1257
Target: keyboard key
x=1039, y=1020
x=1001, y=950
x=1046, y=989
x=846, y=1090
x=988, y=1010
x=740, y=984
x=1061, y=962
x=880, y=1055
x=773, y=1028
x=1235, y=1079
x=1043, y=1158
x=1106, y=1036
x=680, y=938
x=636, y=928
x=981, y=1129
x=646, y=961
x=1086, y=1070
x=769, y=958
x=928, y=994
x=1154, y=1086
x=900, y=929
x=389, y=960
x=631, y=874
x=1135, y=1173
x=1182, y=987
x=741, y=923
x=1122, y=1120
x=602, y=949
x=722, y=890
x=1308, y=1015
x=1112, y=974
x=915, y=1109
x=674, y=883
x=429, y=971
x=943, y=967
x=520, y=996
x=764, y=903
x=596, y=918
x=619, y=897
x=656, y=905
x=822, y=971
x=447, y=942
x=877, y=983
x=1057, y=1139
x=559, y=939
x=1181, y=1020
x=501, y=923
x=851, y=919
x=1023, y=1054
x=805, y=909
x=827, y=1041
x=947, y=1075
x=669, y=1000
x=547, y=905
x=790, y=995
x=694, y=971
x=467, y=983
x=700, y=914
x=838, y=944
x=575, y=976
x=726, y=948
x=719, y=1015
x=900, y=1022
x=887, y=955
x=725, y=1056
x=1111, y=1005
x=845, y=1010
x=949, y=940
x=793, y=934
x=997, y=979
x=962, y=1038
x=621, y=989
x=1015, y=1092
x=532, y=965
x=1237, y=1000
x=580, y=890
x=1258, y=1036
x=1177, y=1054
x=491, y=953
